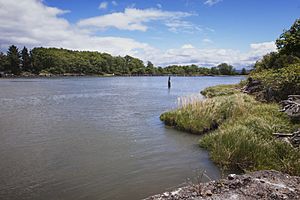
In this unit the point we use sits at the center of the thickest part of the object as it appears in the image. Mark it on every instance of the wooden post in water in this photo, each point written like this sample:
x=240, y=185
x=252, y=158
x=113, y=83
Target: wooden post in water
x=169, y=82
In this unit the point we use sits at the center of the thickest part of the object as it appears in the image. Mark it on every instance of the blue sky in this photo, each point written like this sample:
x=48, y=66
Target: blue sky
x=203, y=32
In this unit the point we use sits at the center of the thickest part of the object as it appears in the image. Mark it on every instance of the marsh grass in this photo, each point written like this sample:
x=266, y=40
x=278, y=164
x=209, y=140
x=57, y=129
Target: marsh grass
x=241, y=134
x=220, y=90
x=196, y=116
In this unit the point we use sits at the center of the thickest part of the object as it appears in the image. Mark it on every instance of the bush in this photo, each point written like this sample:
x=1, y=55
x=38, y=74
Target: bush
x=279, y=83
x=275, y=60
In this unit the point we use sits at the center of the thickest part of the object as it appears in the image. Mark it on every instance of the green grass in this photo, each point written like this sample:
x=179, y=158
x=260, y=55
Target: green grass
x=220, y=90
x=201, y=116
x=242, y=132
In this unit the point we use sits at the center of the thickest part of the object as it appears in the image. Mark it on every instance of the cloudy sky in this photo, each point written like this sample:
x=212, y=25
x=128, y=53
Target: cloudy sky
x=203, y=32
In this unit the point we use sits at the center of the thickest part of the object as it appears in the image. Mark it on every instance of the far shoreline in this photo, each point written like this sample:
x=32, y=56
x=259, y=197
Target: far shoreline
x=49, y=76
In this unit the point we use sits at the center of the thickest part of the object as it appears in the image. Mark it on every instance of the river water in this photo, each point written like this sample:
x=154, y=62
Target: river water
x=96, y=138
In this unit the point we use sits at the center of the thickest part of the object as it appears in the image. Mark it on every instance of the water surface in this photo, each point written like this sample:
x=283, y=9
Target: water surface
x=96, y=138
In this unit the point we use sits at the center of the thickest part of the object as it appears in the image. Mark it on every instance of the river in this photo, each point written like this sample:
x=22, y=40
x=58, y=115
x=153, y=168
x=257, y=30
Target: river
x=96, y=138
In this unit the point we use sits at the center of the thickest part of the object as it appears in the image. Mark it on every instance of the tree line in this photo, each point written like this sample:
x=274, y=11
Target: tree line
x=57, y=61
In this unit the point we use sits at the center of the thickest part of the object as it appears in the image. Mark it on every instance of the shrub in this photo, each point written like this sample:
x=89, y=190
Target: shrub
x=279, y=82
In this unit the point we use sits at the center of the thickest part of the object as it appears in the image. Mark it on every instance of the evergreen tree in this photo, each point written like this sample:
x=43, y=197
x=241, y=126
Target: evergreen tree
x=26, y=61
x=3, y=62
x=243, y=72
x=14, y=61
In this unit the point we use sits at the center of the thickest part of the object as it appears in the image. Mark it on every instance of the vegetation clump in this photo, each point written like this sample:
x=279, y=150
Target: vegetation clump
x=279, y=72
x=220, y=90
x=277, y=84
x=201, y=116
x=242, y=132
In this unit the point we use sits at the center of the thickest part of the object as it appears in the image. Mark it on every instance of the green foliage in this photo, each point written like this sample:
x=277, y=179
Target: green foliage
x=214, y=71
x=13, y=57
x=289, y=41
x=26, y=62
x=150, y=69
x=3, y=62
x=288, y=45
x=220, y=90
x=279, y=82
x=226, y=69
x=275, y=60
x=63, y=61
x=244, y=71
x=192, y=70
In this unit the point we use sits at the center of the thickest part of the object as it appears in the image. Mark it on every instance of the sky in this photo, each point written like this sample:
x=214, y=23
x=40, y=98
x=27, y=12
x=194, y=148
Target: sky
x=165, y=32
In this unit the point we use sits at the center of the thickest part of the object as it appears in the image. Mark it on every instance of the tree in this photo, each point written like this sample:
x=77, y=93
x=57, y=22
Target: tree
x=26, y=62
x=226, y=69
x=243, y=72
x=14, y=61
x=150, y=68
x=3, y=62
x=214, y=71
x=289, y=41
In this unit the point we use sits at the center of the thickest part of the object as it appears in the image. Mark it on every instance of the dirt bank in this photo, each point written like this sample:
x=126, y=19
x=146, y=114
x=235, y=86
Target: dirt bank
x=256, y=185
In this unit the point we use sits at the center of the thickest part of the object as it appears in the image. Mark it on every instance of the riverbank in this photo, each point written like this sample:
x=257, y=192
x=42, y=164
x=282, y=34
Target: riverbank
x=240, y=130
x=256, y=185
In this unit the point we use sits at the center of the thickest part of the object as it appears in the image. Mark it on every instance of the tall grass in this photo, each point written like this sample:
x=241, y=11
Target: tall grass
x=241, y=132
x=220, y=90
x=198, y=117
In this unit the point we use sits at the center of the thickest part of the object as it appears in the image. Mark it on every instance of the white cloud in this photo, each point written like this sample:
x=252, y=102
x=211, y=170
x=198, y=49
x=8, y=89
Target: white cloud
x=32, y=23
x=212, y=2
x=187, y=46
x=178, y=25
x=137, y=19
x=114, y=3
x=188, y=54
x=103, y=5
x=207, y=41
x=263, y=48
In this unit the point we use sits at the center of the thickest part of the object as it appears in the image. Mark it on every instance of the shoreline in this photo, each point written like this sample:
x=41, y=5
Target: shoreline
x=269, y=184
x=238, y=132
x=10, y=76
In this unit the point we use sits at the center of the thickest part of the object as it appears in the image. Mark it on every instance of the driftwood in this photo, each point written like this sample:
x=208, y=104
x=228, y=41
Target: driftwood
x=292, y=106
x=252, y=86
x=292, y=138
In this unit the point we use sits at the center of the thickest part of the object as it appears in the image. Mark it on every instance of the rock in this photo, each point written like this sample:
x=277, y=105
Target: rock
x=166, y=194
x=231, y=176
x=208, y=193
x=257, y=185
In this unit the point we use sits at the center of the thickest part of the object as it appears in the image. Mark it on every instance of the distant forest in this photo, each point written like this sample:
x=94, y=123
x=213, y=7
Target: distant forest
x=62, y=61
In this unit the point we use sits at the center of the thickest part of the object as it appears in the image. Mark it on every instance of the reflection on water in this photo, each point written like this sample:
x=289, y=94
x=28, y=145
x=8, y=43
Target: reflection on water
x=96, y=138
